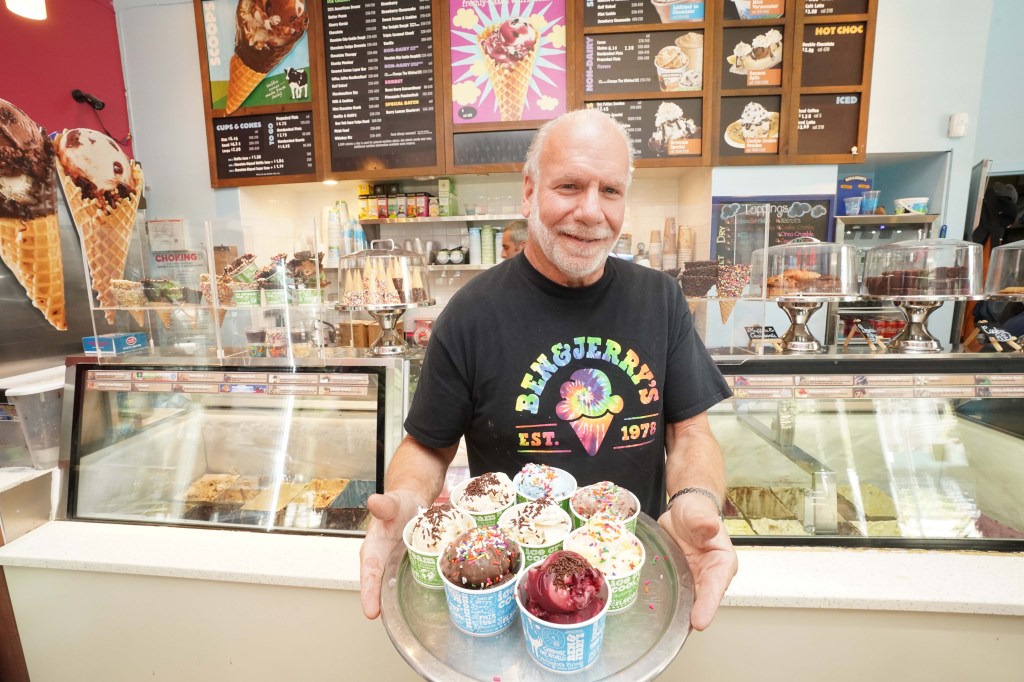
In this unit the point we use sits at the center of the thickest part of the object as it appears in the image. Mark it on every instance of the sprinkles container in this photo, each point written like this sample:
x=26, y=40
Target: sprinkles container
x=538, y=480
x=614, y=551
x=489, y=610
x=536, y=552
x=562, y=648
x=605, y=492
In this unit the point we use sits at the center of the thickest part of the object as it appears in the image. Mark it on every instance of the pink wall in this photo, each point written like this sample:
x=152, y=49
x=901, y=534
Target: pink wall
x=75, y=47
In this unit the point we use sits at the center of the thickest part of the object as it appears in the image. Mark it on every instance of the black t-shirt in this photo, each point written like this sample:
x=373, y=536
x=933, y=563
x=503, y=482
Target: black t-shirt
x=583, y=379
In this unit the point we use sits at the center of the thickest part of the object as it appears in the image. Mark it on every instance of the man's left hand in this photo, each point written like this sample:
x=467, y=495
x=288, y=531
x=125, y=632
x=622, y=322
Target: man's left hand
x=694, y=524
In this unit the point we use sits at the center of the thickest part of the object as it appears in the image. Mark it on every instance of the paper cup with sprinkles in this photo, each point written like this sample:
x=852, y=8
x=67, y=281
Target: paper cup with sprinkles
x=610, y=548
x=485, y=497
x=604, y=497
x=427, y=534
x=539, y=527
x=479, y=571
x=539, y=480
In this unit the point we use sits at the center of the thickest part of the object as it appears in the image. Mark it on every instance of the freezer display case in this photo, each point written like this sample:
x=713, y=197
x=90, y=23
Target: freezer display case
x=257, y=446
x=875, y=451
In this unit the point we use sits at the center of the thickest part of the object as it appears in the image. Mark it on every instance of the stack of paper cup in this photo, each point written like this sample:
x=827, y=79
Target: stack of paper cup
x=655, y=249
x=684, y=242
x=670, y=255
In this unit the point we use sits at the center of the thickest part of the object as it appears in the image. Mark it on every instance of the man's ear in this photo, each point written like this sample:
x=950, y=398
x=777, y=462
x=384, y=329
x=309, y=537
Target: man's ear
x=528, y=189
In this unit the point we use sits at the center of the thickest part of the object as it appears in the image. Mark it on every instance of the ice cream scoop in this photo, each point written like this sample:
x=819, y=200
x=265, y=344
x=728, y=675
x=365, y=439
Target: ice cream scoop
x=512, y=42
x=539, y=480
x=26, y=166
x=538, y=523
x=437, y=527
x=564, y=589
x=96, y=164
x=487, y=492
x=265, y=32
x=480, y=559
x=606, y=543
x=604, y=497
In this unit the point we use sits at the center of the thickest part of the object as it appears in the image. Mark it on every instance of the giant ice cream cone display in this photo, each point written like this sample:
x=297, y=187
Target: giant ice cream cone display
x=589, y=406
x=102, y=187
x=265, y=32
x=509, y=50
x=29, y=234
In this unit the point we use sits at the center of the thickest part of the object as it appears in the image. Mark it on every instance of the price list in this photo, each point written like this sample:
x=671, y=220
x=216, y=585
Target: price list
x=264, y=146
x=660, y=128
x=380, y=84
x=833, y=54
x=817, y=8
x=827, y=124
x=625, y=12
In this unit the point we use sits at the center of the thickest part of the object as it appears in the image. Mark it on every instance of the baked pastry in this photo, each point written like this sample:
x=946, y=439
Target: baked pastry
x=207, y=487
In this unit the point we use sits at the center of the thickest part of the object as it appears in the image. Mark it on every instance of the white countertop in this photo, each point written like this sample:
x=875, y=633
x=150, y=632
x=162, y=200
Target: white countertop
x=793, y=577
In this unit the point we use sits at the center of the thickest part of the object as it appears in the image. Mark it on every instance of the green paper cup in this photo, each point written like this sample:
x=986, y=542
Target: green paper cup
x=275, y=296
x=308, y=296
x=534, y=553
x=527, y=493
x=246, y=297
x=483, y=518
x=423, y=564
x=247, y=273
x=624, y=585
x=578, y=520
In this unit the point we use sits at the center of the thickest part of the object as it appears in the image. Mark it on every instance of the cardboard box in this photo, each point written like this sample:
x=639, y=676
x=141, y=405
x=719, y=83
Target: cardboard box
x=364, y=188
x=445, y=186
x=116, y=344
x=447, y=205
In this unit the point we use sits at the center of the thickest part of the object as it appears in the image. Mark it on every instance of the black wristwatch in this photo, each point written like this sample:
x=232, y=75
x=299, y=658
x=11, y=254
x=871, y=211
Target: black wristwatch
x=700, y=491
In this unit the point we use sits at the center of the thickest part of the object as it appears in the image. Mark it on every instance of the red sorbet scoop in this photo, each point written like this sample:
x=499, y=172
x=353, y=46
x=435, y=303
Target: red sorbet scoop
x=564, y=589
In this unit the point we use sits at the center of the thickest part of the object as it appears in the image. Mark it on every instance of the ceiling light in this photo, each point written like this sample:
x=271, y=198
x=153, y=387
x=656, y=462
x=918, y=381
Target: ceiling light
x=330, y=182
x=30, y=9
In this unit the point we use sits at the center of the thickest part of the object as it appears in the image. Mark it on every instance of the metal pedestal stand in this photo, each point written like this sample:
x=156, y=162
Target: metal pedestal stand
x=915, y=337
x=798, y=338
x=390, y=342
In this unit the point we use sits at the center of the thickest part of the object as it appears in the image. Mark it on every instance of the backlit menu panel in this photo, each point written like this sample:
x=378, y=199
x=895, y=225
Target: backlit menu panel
x=264, y=146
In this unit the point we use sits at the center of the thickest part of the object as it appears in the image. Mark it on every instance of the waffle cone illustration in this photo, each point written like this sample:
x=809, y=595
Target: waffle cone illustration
x=592, y=430
x=104, y=227
x=262, y=41
x=31, y=249
x=509, y=50
x=725, y=309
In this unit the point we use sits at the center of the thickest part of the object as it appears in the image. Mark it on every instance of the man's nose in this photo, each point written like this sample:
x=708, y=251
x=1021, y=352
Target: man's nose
x=588, y=207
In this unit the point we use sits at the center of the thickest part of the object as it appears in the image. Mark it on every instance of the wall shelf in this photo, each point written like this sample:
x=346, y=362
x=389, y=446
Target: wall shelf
x=443, y=219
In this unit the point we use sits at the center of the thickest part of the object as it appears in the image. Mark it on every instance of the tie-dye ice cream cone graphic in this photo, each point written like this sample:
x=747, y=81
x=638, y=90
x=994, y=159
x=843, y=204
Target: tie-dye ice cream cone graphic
x=589, y=407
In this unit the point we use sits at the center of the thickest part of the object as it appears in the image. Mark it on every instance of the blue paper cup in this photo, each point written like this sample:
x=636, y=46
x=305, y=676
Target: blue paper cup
x=562, y=648
x=485, y=612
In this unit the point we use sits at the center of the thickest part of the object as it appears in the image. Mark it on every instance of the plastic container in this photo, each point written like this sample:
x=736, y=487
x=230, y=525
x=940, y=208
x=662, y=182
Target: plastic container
x=384, y=276
x=923, y=270
x=805, y=270
x=852, y=205
x=911, y=205
x=1006, y=273
x=870, y=201
x=38, y=406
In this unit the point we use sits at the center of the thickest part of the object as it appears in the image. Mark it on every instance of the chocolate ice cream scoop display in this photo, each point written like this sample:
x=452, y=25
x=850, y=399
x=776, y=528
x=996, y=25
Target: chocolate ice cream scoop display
x=919, y=277
x=265, y=32
x=385, y=281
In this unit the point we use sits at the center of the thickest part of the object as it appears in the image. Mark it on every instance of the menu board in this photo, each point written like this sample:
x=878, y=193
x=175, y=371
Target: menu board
x=753, y=9
x=828, y=124
x=507, y=60
x=660, y=128
x=814, y=8
x=833, y=54
x=666, y=61
x=750, y=125
x=739, y=224
x=380, y=84
x=752, y=57
x=619, y=12
x=264, y=146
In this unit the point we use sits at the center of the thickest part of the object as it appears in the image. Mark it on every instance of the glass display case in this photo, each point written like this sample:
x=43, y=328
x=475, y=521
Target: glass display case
x=255, y=446
x=866, y=450
x=1005, y=281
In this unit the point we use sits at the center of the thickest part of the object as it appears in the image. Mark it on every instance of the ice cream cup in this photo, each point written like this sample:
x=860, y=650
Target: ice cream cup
x=484, y=518
x=562, y=648
x=911, y=205
x=308, y=296
x=580, y=521
x=247, y=273
x=624, y=586
x=246, y=297
x=852, y=205
x=528, y=495
x=485, y=612
x=679, y=10
x=423, y=564
x=533, y=553
x=275, y=296
x=671, y=80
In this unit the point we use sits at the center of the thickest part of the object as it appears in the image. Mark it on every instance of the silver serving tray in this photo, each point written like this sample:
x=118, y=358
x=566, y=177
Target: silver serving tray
x=639, y=642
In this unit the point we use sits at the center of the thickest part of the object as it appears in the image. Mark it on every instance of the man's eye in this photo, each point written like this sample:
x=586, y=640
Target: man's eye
x=612, y=190
x=567, y=185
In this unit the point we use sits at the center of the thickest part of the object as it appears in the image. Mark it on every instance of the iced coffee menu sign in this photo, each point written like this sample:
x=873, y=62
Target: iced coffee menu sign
x=828, y=124
x=814, y=8
x=264, y=146
x=666, y=61
x=833, y=54
x=624, y=12
x=380, y=84
x=660, y=128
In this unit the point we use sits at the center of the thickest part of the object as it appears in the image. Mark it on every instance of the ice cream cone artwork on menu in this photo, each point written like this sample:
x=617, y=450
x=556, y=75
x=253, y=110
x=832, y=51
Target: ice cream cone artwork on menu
x=589, y=407
x=265, y=32
x=509, y=50
x=102, y=188
x=29, y=234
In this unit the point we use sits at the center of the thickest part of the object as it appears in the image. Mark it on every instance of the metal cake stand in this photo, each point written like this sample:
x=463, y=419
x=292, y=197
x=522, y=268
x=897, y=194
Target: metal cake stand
x=639, y=642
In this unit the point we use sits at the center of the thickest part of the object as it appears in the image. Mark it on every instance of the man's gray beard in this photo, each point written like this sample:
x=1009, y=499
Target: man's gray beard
x=573, y=266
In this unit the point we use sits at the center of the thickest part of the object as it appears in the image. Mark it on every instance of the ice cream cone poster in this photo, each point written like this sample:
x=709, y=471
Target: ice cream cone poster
x=29, y=233
x=102, y=188
x=257, y=52
x=508, y=60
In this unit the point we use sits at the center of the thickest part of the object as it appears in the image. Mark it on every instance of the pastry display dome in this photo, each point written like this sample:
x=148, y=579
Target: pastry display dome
x=805, y=269
x=926, y=269
x=1006, y=272
x=383, y=276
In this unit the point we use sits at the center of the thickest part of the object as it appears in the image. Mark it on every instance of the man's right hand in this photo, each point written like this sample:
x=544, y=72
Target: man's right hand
x=390, y=512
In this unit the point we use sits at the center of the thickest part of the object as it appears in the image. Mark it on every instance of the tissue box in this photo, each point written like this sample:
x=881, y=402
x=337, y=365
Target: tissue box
x=115, y=343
